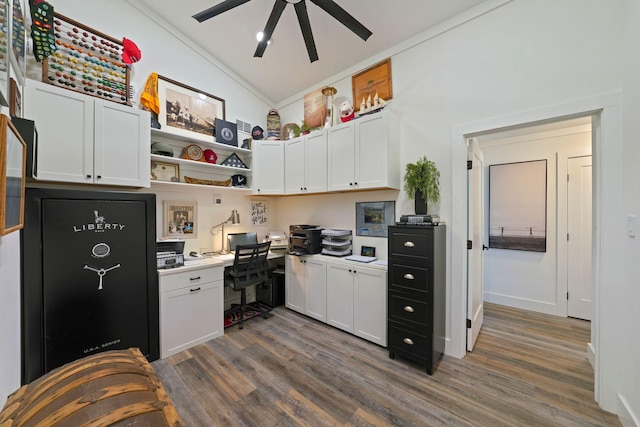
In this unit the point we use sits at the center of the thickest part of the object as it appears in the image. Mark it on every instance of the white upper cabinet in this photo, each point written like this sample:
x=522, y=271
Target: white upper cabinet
x=82, y=139
x=268, y=175
x=305, y=160
x=363, y=153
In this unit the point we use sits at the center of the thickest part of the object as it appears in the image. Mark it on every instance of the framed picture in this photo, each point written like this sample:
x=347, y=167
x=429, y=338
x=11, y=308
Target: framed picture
x=13, y=156
x=518, y=206
x=180, y=219
x=373, y=218
x=258, y=214
x=15, y=99
x=17, y=53
x=161, y=171
x=376, y=79
x=315, y=111
x=187, y=111
x=368, y=251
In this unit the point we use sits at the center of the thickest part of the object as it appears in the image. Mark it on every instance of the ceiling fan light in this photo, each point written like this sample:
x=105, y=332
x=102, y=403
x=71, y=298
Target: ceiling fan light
x=259, y=36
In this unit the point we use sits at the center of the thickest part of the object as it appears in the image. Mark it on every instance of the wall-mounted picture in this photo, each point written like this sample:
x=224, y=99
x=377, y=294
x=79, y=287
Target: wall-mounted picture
x=375, y=79
x=373, y=218
x=518, y=206
x=12, y=177
x=187, y=111
x=180, y=219
x=258, y=214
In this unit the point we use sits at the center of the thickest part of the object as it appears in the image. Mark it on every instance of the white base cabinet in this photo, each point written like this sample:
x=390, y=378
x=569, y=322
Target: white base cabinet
x=351, y=296
x=357, y=300
x=191, y=308
x=305, y=286
x=82, y=139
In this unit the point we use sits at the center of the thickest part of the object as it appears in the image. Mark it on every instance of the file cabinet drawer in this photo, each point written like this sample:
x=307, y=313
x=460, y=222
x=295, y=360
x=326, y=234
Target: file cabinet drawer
x=408, y=310
x=413, y=245
x=408, y=277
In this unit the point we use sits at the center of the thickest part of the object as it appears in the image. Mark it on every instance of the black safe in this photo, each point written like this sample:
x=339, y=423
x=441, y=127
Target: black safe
x=89, y=278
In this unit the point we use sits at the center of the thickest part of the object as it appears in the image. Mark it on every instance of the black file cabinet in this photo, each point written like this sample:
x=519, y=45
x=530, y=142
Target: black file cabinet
x=416, y=293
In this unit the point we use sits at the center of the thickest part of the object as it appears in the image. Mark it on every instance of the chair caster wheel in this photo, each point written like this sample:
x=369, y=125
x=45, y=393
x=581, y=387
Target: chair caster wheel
x=240, y=327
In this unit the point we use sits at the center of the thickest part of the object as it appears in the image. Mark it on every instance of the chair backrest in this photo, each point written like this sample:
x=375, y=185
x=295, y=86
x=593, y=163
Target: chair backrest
x=250, y=266
x=235, y=239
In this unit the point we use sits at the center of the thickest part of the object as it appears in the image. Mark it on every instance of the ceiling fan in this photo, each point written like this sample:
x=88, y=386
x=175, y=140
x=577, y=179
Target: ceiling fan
x=329, y=6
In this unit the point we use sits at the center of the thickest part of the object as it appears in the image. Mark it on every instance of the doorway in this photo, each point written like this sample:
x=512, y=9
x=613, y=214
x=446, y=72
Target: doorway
x=538, y=281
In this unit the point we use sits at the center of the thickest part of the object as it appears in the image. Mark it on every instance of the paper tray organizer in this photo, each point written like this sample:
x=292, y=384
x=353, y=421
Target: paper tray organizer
x=336, y=242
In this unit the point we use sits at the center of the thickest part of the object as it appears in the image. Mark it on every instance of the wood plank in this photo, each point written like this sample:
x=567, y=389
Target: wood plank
x=526, y=369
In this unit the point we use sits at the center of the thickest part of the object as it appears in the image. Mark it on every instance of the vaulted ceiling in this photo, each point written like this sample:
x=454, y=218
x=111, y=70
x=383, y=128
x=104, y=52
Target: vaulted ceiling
x=285, y=70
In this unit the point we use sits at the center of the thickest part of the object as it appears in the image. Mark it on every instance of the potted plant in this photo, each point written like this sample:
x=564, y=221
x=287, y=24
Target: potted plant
x=422, y=183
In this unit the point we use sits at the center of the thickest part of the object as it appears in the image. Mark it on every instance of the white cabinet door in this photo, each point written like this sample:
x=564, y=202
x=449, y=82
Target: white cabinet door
x=315, y=288
x=371, y=160
x=294, y=283
x=316, y=162
x=341, y=157
x=295, y=165
x=370, y=308
x=268, y=177
x=122, y=138
x=190, y=316
x=64, y=120
x=340, y=297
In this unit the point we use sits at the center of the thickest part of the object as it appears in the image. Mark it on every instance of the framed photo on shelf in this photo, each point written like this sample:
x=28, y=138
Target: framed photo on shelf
x=376, y=79
x=180, y=219
x=187, y=111
x=13, y=155
x=168, y=172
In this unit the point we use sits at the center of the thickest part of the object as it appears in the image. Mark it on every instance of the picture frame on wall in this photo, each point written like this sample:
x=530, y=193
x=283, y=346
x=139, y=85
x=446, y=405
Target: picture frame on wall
x=374, y=218
x=5, y=63
x=375, y=79
x=17, y=53
x=187, y=111
x=13, y=156
x=518, y=206
x=180, y=219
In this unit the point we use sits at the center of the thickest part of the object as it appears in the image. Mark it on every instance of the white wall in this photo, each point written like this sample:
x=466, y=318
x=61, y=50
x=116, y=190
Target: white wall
x=531, y=280
x=622, y=323
x=523, y=60
x=9, y=314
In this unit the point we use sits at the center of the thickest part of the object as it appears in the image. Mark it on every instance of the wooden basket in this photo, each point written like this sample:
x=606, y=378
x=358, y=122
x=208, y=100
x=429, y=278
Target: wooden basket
x=117, y=387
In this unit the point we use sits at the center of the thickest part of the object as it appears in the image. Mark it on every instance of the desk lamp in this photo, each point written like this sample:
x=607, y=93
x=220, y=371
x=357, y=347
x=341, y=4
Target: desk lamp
x=234, y=219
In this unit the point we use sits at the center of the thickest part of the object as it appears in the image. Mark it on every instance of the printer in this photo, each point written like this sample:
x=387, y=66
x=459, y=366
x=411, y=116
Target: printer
x=305, y=239
x=169, y=253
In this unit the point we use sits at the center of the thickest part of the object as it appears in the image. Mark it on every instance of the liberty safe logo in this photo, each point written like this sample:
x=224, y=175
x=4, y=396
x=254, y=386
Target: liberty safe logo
x=98, y=225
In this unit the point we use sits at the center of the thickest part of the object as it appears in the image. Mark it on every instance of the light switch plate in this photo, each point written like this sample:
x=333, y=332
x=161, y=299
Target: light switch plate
x=631, y=226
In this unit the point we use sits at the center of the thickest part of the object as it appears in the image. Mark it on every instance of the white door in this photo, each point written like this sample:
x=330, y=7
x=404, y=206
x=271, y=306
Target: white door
x=475, y=206
x=579, y=239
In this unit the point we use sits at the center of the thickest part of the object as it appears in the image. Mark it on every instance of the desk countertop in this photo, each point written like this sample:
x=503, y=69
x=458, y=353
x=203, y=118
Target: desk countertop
x=192, y=263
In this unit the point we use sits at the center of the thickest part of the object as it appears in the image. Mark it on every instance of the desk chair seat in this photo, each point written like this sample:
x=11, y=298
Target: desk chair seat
x=250, y=267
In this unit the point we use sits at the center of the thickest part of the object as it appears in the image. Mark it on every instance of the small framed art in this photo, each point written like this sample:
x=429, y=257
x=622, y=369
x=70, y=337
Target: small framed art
x=168, y=172
x=180, y=219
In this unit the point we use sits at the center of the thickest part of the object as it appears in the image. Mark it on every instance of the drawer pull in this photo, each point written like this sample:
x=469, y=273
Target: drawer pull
x=408, y=341
x=409, y=244
x=195, y=278
x=409, y=276
x=408, y=309
x=194, y=290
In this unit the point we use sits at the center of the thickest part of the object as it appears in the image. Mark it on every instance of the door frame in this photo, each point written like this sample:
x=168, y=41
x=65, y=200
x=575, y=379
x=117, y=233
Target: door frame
x=607, y=131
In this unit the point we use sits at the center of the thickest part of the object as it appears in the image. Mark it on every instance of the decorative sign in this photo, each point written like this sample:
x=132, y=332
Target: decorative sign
x=259, y=213
x=180, y=219
x=315, y=111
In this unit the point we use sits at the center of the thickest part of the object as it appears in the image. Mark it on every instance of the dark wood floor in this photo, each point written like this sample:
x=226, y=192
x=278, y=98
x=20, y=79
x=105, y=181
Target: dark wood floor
x=527, y=369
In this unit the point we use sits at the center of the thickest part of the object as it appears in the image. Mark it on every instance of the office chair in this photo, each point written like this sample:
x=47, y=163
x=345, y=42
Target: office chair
x=250, y=267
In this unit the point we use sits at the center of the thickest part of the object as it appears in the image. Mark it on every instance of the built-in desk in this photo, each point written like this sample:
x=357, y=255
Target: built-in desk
x=192, y=302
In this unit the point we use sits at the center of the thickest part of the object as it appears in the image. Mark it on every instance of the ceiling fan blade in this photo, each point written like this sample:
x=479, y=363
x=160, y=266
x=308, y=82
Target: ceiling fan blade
x=218, y=9
x=305, y=27
x=344, y=17
x=278, y=8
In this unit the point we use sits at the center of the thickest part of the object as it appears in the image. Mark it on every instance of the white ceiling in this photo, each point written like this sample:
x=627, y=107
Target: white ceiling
x=285, y=69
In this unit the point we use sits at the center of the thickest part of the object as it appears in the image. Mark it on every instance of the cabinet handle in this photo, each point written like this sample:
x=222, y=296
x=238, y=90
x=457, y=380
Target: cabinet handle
x=99, y=177
x=88, y=176
x=195, y=278
x=409, y=276
x=409, y=244
x=194, y=290
x=408, y=341
x=408, y=309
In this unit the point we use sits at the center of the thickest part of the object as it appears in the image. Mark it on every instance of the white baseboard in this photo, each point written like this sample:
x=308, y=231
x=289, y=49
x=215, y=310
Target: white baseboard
x=591, y=355
x=626, y=415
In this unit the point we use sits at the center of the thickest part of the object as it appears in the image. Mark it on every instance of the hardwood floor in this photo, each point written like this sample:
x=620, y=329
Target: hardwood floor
x=527, y=369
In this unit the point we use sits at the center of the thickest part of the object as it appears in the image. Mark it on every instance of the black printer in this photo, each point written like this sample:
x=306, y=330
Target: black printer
x=305, y=239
